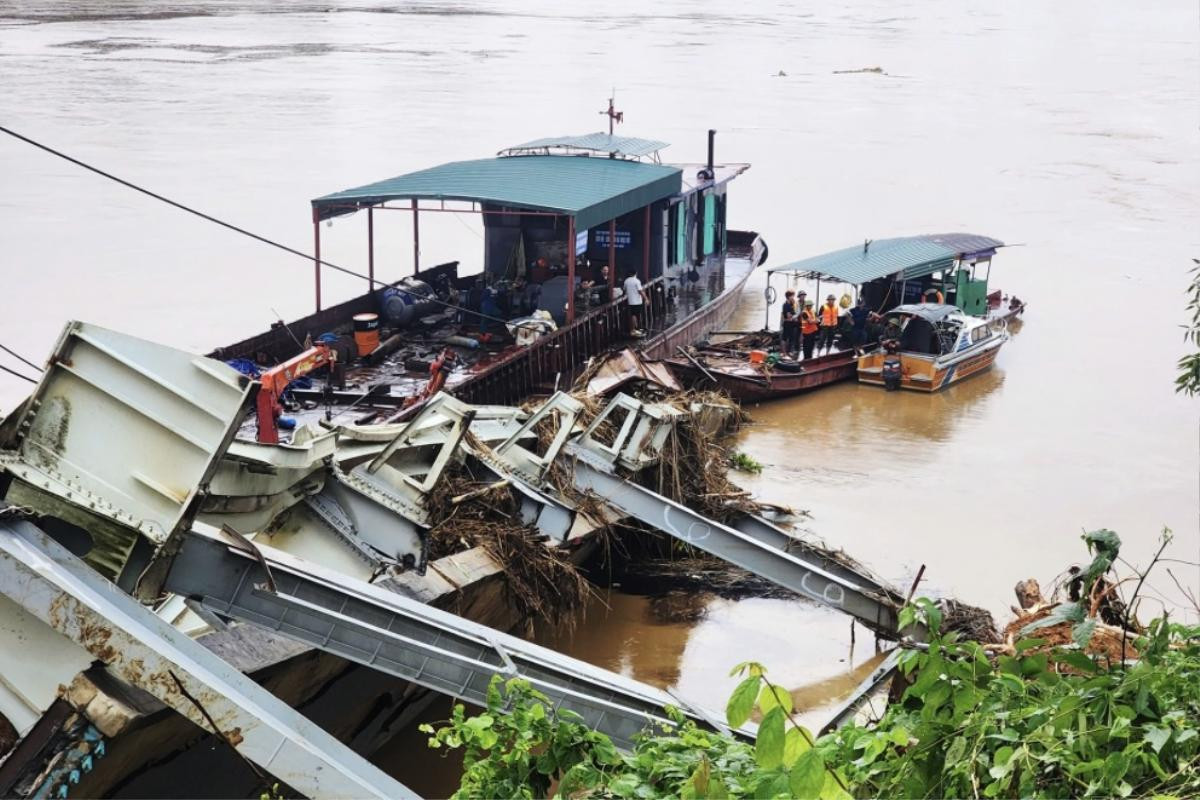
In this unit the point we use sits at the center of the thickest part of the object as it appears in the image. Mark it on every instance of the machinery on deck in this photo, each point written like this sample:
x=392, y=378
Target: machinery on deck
x=275, y=382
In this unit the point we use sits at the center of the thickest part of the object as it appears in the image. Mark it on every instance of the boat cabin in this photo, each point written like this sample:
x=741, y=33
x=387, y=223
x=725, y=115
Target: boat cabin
x=556, y=212
x=937, y=329
x=908, y=270
x=929, y=346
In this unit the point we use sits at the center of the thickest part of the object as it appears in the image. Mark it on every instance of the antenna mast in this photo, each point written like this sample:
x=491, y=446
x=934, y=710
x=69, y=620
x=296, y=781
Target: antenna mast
x=614, y=116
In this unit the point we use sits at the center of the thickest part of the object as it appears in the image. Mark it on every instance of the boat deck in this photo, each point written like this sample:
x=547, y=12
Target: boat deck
x=379, y=392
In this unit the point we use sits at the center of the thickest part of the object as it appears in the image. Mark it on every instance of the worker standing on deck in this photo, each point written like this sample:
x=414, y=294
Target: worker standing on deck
x=605, y=291
x=789, y=326
x=808, y=328
x=858, y=333
x=635, y=299
x=829, y=323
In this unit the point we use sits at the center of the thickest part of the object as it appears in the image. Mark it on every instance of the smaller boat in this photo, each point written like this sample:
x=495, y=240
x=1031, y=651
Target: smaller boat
x=731, y=367
x=927, y=347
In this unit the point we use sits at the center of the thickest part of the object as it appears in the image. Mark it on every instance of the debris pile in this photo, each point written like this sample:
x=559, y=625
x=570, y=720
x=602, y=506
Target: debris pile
x=970, y=622
x=543, y=582
x=1106, y=640
x=1108, y=637
x=696, y=573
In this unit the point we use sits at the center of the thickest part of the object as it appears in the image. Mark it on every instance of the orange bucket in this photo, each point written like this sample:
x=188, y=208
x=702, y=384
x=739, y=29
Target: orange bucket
x=366, y=332
x=758, y=356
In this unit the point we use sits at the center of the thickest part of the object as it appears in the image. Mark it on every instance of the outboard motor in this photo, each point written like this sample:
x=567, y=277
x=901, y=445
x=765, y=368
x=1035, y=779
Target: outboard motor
x=409, y=302
x=892, y=373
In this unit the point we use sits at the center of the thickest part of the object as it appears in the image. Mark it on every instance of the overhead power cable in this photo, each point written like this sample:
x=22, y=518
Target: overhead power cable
x=235, y=228
x=20, y=357
x=19, y=375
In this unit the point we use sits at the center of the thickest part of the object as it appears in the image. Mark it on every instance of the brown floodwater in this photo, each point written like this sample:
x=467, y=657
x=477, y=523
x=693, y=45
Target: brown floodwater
x=1068, y=128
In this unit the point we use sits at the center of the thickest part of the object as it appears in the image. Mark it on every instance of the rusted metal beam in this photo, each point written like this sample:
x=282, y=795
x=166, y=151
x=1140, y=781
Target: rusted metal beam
x=504, y=212
x=317, y=257
x=612, y=253
x=371, y=248
x=416, y=239
x=646, y=247
x=570, y=269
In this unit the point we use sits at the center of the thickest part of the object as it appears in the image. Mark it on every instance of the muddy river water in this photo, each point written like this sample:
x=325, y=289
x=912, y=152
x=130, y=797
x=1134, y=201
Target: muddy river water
x=1069, y=128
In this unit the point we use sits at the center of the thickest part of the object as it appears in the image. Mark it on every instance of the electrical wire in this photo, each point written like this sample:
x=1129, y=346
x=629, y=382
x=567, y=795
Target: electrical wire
x=243, y=231
x=20, y=357
x=19, y=375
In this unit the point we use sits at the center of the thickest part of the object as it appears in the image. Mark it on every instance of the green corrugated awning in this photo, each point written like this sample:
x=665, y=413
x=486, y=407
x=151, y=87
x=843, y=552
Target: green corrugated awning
x=591, y=189
x=909, y=256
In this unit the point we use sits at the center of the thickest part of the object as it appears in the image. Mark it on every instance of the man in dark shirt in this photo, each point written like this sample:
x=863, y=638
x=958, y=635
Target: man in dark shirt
x=858, y=318
x=789, y=326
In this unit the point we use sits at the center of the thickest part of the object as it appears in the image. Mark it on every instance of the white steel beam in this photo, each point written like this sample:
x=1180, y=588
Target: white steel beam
x=52, y=584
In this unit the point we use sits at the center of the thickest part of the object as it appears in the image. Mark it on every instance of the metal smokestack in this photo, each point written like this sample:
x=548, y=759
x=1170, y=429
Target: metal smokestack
x=712, y=134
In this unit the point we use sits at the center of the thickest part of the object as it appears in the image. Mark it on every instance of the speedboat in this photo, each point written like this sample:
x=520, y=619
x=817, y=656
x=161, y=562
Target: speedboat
x=928, y=346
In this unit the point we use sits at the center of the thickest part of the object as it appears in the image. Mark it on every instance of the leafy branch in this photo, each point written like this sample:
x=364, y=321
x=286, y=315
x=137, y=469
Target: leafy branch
x=1188, y=380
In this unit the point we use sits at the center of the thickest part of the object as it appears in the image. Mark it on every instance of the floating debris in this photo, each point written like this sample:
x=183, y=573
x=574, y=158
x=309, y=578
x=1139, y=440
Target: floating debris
x=863, y=70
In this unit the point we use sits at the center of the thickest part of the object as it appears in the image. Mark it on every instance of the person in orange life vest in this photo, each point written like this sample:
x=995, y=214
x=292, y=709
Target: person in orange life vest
x=808, y=326
x=829, y=323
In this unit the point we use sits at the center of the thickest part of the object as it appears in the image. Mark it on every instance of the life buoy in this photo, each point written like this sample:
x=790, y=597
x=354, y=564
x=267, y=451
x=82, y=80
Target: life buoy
x=770, y=295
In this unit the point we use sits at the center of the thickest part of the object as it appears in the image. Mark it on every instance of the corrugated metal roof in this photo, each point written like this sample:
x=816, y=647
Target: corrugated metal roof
x=914, y=256
x=600, y=142
x=593, y=190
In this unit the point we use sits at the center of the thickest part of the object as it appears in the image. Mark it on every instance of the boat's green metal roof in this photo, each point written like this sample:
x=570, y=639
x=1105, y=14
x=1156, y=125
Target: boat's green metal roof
x=591, y=189
x=914, y=256
x=600, y=142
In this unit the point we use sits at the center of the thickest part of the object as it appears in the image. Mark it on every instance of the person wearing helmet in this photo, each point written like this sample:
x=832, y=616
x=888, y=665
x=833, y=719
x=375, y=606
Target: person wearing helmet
x=829, y=323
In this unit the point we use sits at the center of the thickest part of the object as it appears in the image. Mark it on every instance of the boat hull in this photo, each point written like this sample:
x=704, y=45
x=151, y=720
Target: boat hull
x=925, y=373
x=773, y=384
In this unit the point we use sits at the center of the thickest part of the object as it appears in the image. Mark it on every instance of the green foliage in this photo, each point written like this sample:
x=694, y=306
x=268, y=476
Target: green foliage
x=745, y=463
x=1188, y=380
x=1025, y=727
x=1029, y=723
x=1105, y=546
x=518, y=748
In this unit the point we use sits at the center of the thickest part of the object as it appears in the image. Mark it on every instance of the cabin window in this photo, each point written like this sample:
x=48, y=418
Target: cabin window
x=680, y=234
x=722, y=202
x=980, y=333
x=672, y=234
x=710, y=223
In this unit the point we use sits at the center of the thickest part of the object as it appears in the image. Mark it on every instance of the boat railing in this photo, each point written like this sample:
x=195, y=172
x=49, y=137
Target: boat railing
x=541, y=365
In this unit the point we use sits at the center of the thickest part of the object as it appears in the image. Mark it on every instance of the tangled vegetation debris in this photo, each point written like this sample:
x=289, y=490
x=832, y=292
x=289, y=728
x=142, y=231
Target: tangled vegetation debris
x=542, y=581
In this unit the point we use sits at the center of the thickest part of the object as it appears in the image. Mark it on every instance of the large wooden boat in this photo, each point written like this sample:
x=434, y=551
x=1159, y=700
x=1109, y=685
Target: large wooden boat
x=934, y=346
x=565, y=220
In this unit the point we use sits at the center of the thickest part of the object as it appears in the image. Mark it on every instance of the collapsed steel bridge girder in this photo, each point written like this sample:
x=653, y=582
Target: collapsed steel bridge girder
x=393, y=634
x=55, y=586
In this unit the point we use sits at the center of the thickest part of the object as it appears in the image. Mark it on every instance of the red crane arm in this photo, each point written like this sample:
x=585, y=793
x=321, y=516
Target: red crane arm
x=275, y=380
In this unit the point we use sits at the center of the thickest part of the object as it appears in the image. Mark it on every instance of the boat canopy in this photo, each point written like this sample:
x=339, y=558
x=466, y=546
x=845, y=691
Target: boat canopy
x=930, y=312
x=904, y=258
x=591, y=189
x=599, y=142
